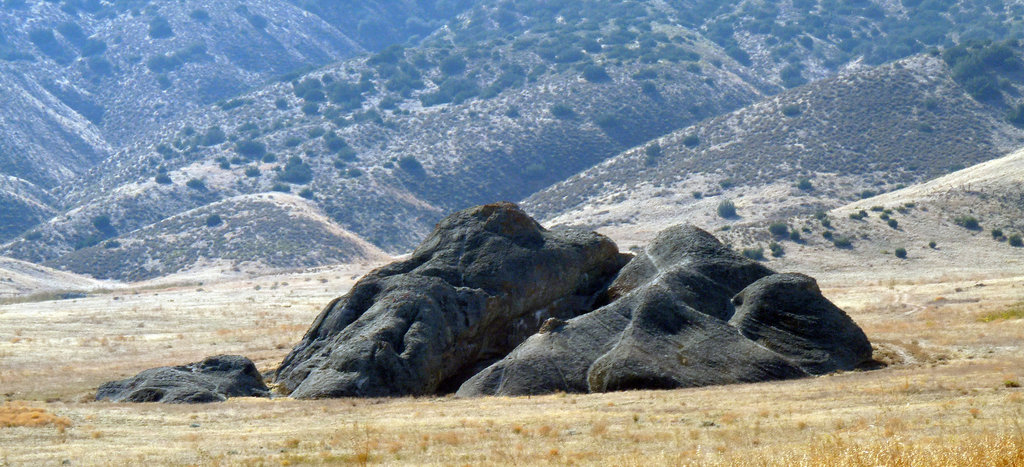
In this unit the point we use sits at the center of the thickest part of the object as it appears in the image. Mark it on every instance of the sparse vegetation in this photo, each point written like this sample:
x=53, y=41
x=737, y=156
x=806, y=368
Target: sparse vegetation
x=968, y=222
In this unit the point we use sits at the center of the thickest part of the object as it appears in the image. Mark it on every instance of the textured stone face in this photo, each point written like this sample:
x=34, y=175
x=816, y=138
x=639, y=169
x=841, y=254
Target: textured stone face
x=667, y=326
x=787, y=314
x=211, y=380
x=482, y=282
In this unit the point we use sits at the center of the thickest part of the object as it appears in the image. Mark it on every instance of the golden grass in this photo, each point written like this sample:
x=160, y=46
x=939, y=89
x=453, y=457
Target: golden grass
x=13, y=414
x=951, y=395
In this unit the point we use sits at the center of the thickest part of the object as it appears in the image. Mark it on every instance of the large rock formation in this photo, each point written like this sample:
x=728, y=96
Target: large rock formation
x=688, y=311
x=668, y=327
x=211, y=380
x=481, y=283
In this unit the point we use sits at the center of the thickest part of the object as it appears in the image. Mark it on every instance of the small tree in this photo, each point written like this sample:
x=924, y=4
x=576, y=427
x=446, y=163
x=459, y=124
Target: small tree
x=901, y=253
x=894, y=223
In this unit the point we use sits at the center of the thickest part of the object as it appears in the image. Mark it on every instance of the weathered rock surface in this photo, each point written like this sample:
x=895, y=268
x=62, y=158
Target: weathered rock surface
x=787, y=314
x=211, y=380
x=667, y=326
x=483, y=281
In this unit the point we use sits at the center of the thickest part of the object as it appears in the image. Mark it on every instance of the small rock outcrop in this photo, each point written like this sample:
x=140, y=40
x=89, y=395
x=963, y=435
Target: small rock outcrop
x=212, y=380
x=673, y=322
x=481, y=283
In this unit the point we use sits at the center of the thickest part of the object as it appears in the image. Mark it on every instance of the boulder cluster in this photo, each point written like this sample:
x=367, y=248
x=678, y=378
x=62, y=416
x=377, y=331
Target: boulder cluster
x=494, y=304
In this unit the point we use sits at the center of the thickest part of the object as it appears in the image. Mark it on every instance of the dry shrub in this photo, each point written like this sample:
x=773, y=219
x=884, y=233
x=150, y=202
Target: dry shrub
x=19, y=415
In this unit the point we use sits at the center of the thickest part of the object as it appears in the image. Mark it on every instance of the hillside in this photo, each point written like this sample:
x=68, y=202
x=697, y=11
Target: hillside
x=811, y=148
x=254, y=233
x=962, y=224
x=496, y=100
x=18, y=278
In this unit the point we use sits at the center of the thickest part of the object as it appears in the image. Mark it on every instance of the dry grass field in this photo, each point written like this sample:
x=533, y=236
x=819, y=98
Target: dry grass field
x=950, y=394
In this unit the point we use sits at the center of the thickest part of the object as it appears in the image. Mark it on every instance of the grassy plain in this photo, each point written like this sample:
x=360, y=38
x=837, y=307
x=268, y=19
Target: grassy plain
x=950, y=395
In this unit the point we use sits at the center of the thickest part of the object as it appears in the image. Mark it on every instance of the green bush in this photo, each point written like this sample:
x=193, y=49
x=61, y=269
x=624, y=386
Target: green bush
x=997, y=233
x=1016, y=240
x=805, y=184
x=252, y=171
x=691, y=141
x=296, y=171
x=778, y=229
x=213, y=136
x=726, y=209
x=411, y=166
x=159, y=28
x=967, y=222
x=213, y=220
x=777, y=250
x=653, y=153
x=756, y=254
x=250, y=149
x=596, y=74
x=901, y=252
x=196, y=184
x=894, y=223
x=842, y=242
x=281, y=188
x=307, y=193
x=932, y=244
x=791, y=110
x=562, y=111
x=162, y=179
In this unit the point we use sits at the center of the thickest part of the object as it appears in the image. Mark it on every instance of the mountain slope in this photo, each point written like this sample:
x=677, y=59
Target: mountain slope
x=846, y=137
x=506, y=98
x=254, y=233
x=19, y=278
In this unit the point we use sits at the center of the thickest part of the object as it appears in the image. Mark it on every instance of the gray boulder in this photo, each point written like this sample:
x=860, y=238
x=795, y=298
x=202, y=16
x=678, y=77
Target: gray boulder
x=480, y=284
x=212, y=380
x=787, y=314
x=666, y=326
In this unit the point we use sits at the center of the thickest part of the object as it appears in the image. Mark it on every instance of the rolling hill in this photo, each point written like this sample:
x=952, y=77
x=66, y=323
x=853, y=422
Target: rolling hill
x=496, y=100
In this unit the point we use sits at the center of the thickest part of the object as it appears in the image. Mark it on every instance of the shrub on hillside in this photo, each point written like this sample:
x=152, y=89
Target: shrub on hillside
x=296, y=171
x=726, y=209
x=778, y=229
x=196, y=184
x=213, y=220
x=756, y=254
x=1016, y=240
x=901, y=253
x=967, y=222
